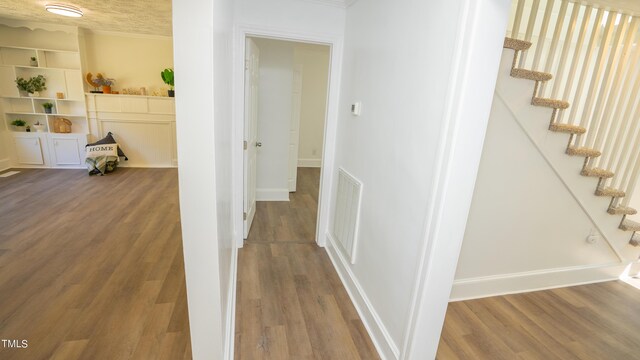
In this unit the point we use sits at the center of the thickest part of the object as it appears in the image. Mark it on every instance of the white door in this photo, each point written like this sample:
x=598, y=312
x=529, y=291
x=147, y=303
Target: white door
x=29, y=150
x=251, y=79
x=294, y=132
x=66, y=151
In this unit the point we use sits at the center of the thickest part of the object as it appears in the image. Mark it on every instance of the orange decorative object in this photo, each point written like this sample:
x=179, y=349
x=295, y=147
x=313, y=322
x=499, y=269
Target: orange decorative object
x=61, y=125
x=106, y=89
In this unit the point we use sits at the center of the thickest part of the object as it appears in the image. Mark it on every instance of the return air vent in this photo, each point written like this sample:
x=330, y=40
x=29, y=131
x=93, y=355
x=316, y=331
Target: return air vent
x=345, y=221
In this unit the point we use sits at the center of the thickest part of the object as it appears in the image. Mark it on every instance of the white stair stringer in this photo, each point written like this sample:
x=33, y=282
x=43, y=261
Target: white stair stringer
x=516, y=95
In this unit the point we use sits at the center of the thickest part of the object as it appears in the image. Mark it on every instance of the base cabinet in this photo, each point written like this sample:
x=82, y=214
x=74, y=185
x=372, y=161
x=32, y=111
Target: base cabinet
x=49, y=150
x=66, y=151
x=29, y=150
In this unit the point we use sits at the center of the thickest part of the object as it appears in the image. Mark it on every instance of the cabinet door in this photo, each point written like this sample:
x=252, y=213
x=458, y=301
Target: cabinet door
x=66, y=151
x=29, y=150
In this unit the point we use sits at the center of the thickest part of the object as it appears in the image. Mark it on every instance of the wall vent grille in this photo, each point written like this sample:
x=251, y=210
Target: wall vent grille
x=347, y=212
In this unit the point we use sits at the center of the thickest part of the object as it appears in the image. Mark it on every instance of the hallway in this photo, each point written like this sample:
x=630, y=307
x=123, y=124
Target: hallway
x=290, y=301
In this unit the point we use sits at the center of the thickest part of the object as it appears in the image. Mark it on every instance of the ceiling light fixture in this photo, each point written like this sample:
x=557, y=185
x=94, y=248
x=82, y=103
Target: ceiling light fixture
x=64, y=10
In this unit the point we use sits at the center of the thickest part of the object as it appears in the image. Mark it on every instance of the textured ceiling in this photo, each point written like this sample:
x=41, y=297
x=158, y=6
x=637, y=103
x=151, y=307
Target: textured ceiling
x=130, y=16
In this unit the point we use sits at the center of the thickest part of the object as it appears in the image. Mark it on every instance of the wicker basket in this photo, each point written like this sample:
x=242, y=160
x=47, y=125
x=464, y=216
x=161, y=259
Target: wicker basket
x=61, y=125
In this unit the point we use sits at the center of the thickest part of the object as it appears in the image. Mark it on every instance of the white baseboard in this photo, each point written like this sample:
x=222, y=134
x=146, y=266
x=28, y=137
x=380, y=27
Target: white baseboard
x=387, y=349
x=474, y=288
x=315, y=163
x=5, y=164
x=272, y=194
x=230, y=330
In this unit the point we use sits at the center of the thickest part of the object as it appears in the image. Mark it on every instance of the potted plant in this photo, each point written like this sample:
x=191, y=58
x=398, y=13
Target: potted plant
x=167, y=77
x=38, y=126
x=48, y=107
x=106, y=84
x=33, y=86
x=18, y=124
x=34, y=61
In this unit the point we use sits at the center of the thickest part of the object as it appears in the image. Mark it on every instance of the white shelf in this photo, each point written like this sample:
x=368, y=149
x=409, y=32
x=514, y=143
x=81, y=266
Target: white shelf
x=36, y=49
x=62, y=70
x=41, y=67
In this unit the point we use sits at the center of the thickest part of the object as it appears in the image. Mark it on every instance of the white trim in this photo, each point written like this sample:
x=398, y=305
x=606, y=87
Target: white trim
x=481, y=27
x=128, y=35
x=231, y=307
x=272, y=194
x=35, y=25
x=310, y=163
x=5, y=164
x=386, y=347
x=485, y=286
x=331, y=121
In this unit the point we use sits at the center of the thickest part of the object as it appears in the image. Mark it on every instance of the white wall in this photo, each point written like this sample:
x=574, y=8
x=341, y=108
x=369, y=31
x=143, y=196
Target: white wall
x=5, y=161
x=315, y=75
x=531, y=210
x=291, y=15
x=400, y=59
x=203, y=113
x=274, y=119
x=133, y=60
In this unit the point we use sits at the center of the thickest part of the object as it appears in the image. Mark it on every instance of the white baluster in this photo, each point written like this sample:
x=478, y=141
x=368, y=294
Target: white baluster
x=542, y=37
x=530, y=25
x=515, y=31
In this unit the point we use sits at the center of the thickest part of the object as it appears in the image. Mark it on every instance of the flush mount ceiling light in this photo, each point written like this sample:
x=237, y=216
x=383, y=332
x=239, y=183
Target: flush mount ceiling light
x=64, y=10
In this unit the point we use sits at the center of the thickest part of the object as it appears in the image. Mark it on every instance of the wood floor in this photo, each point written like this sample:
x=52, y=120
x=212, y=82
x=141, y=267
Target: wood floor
x=596, y=321
x=92, y=267
x=290, y=301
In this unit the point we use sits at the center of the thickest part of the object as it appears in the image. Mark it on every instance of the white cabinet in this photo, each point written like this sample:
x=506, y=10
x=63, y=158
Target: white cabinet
x=66, y=151
x=64, y=91
x=28, y=150
x=49, y=149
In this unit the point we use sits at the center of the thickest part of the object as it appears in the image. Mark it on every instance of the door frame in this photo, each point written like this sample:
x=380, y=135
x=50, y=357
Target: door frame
x=334, y=42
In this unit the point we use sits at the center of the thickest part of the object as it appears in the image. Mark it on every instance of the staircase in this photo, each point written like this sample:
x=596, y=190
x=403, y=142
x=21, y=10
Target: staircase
x=608, y=41
x=587, y=153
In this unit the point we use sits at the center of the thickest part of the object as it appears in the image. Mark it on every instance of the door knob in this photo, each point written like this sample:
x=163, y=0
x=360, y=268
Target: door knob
x=258, y=144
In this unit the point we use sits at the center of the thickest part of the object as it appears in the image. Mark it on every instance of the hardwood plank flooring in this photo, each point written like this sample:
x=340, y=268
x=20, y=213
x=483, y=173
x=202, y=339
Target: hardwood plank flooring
x=290, y=301
x=92, y=267
x=596, y=321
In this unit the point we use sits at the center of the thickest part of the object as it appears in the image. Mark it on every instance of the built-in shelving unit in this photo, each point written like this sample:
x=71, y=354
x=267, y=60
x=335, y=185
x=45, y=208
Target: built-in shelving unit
x=63, y=74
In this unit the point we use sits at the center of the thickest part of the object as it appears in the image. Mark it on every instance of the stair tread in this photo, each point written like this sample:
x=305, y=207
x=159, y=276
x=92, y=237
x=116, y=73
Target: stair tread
x=516, y=44
x=610, y=192
x=622, y=210
x=531, y=74
x=597, y=172
x=567, y=128
x=629, y=225
x=583, y=151
x=552, y=103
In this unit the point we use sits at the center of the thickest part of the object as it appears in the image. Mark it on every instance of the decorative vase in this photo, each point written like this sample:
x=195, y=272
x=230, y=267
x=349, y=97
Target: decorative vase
x=106, y=89
x=34, y=63
x=39, y=128
x=48, y=111
x=34, y=94
x=172, y=93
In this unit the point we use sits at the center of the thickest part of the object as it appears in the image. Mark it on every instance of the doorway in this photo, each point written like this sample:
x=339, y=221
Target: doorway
x=285, y=91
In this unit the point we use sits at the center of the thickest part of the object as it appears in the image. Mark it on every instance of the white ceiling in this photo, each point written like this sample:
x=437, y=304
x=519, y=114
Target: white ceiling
x=130, y=16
